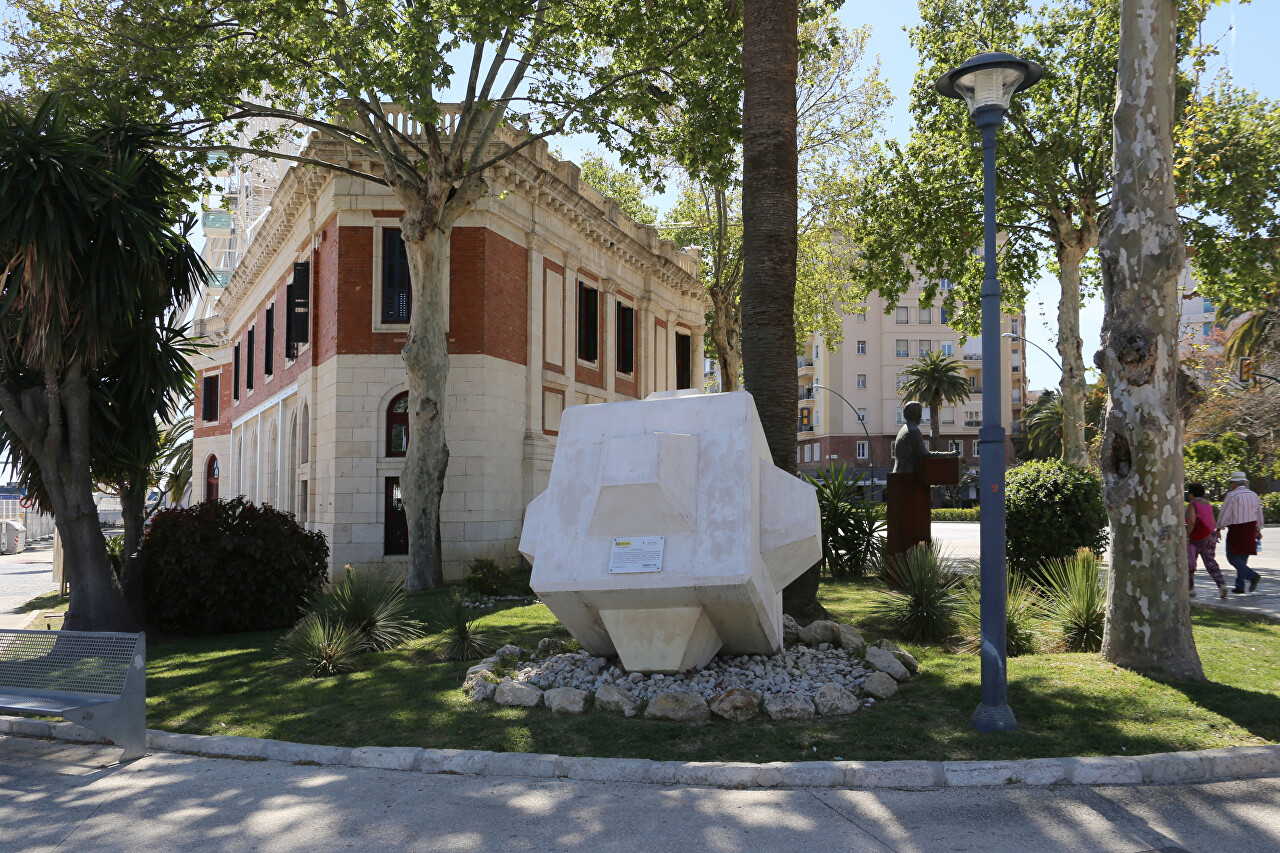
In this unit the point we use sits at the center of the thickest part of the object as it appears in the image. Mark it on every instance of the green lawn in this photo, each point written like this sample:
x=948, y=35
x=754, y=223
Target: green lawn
x=1069, y=704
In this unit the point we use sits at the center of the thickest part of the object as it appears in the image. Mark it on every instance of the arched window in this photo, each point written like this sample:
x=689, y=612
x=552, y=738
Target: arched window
x=304, y=435
x=211, y=479
x=398, y=425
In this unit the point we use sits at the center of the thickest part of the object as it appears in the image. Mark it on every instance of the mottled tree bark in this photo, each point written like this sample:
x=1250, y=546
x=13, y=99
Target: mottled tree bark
x=770, y=53
x=1073, y=242
x=1142, y=250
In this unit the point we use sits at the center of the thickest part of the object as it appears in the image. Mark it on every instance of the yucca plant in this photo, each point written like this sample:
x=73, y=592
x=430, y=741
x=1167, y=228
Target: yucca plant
x=319, y=648
x=461, y=639
x=1023, y=610
x=852, y=529
x=1075, y=603
x=372, y=604
x=923, y=607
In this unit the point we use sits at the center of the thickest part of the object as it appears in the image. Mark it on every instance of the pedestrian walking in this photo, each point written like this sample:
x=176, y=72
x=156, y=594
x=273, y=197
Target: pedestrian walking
x=1202, y=539
x=1242, y=519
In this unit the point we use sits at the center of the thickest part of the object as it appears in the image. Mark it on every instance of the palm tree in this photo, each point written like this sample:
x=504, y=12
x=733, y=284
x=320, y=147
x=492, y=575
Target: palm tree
x=933, y=380
x=93, y=267
x=1043, y=423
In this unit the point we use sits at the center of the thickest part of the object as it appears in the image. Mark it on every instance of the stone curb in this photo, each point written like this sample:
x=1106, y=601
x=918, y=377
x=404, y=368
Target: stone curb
x=1210, y=765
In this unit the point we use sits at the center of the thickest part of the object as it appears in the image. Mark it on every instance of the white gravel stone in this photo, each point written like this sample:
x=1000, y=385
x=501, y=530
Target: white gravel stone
x=887, y=663
x=566, y=700
x=851, y=641
x=612, y=698
x=880, y=685
x=834, y=701
x=681, y=707
x=788, y=706
x=517, y=693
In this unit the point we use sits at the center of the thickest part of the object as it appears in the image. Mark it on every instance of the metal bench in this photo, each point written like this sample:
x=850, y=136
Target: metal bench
x=96, y=680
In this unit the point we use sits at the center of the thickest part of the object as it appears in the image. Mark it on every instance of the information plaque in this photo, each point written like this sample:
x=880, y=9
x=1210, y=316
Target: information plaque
x=631, y=554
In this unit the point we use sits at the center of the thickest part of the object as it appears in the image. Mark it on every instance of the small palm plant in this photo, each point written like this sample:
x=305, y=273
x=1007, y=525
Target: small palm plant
x=461, y=639
x=1023, y=609
x=1075, y=602
x=852, y=529
x=374, y=605
x=923, y=607
x=319, y=648
x=933, y=380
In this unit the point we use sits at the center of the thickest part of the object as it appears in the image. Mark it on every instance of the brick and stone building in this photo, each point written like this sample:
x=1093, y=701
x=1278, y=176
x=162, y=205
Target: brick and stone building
x=556, y=298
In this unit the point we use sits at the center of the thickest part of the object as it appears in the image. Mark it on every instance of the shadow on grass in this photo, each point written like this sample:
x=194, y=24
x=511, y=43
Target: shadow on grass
x=1252, y=710
x=49, y=601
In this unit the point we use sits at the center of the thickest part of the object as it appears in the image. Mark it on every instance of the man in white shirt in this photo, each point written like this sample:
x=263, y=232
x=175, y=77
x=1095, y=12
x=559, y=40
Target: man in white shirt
x=1242, y=518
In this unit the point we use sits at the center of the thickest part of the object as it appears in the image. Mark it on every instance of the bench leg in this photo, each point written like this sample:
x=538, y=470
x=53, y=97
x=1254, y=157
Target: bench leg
x=123, y=723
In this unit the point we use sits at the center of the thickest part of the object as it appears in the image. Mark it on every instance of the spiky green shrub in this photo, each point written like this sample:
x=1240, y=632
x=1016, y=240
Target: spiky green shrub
x=923, y=607
x=460, y=638
x=372, y=604
x=1075, y=603
x=1022, y=613
x=319, y=648
x=852, y=525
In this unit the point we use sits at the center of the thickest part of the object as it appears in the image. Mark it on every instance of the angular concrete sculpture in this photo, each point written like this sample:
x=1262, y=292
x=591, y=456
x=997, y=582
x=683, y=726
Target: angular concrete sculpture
x=666, y=534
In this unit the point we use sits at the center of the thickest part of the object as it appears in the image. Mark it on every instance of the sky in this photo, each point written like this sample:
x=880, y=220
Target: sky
x=1246, y=34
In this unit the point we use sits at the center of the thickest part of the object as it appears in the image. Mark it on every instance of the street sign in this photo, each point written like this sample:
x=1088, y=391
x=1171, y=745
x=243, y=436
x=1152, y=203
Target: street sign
x=1245, y=374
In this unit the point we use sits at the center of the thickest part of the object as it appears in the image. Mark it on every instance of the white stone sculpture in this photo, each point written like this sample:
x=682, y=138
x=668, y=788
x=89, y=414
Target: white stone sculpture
x=667, y=534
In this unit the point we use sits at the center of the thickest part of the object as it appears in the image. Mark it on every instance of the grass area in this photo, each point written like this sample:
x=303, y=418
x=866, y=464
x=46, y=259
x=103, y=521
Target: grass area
x=1067, y=704
x=49, y=601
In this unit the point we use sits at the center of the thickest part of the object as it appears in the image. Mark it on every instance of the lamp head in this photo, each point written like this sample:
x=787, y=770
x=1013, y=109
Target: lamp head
x=989, y=80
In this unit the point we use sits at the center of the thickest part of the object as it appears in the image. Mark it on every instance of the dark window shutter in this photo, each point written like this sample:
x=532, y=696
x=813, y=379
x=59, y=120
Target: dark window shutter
x=290, y=345
x=626, y=344
x=269, y=343
x=397, y=293
x=209, y=400
x=588, y=323
x=300, y=305
x=248, y=365
x=235, y=373
x=684, y=355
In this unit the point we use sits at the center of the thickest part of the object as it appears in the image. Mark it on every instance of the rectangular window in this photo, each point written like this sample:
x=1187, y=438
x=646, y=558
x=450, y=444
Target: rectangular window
x=1014, y=327
x=862, y=380
x=626, y=344
x=948, y=349
x=926, y=347
x=976, y=445
x=235, y=373
x=269, y=343
x=893, y=451
x=303, y=501
x=973, y=383
x=1208, y=307
x=588, y=323
x=948, y=415
x=942, y=316
x=901, y=350
x=808, y=453
x=900, y=381
x=903, y=315
x=862, y=347
x=862, y=316
x=684, y=361
x=1206, y=329
x=297, y=327
x=248, y=362
x=395, y=524
x=926, y=315
x=209, y=399
x=862, y=450
x=1017, y=395
x=397, y=294
x=944, y=284
x=806, y=420
x=862, y=415
x=954, y=446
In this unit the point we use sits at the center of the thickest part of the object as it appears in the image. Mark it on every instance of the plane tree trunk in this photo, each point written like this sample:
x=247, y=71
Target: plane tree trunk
x=1148, y=623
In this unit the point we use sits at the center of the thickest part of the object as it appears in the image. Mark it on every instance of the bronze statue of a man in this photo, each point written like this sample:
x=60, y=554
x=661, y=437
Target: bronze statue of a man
x=909, y=447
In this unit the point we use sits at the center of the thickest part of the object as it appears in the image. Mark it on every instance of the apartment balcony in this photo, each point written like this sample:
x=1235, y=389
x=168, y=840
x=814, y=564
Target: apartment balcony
x=804, y=427
x=973, y=356
x=804, y=366
x=806, y=394
x=973, y=424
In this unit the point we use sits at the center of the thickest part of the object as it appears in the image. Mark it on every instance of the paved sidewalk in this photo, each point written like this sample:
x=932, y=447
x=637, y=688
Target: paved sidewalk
x=960, y=538
x=61, y=797
x=23, y=577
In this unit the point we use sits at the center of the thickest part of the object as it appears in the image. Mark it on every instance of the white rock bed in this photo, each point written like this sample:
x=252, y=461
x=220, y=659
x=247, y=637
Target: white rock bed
x=796, y=671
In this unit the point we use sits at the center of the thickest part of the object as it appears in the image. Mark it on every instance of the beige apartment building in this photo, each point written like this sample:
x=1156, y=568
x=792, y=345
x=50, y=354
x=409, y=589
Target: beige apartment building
x=867, y=370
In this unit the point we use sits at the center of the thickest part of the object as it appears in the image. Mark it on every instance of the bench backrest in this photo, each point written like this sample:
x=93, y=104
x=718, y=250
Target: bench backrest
x=67, y=661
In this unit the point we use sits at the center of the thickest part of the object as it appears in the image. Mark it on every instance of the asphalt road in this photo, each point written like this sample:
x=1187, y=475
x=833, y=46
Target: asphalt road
x=23, y=577
x=58, y=797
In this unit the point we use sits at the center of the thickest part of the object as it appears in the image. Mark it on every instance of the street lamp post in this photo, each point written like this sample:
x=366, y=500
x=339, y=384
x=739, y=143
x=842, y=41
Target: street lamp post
x=986, y=83
x=871, y=450
x=1015, y=336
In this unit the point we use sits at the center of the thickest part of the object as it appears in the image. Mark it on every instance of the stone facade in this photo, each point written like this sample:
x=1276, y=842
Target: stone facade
x=314, y=437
